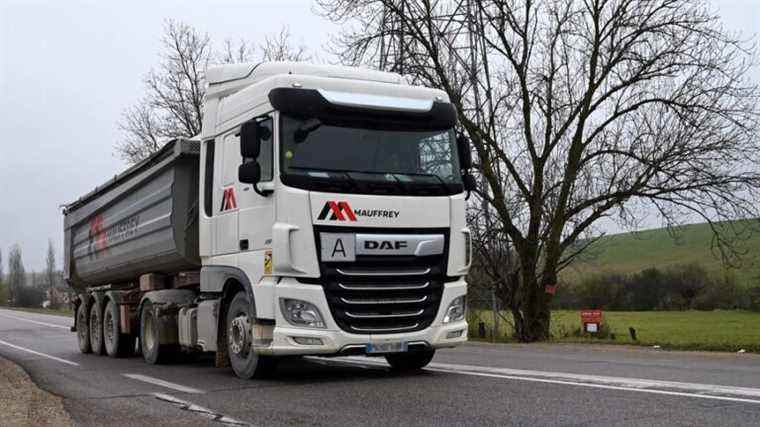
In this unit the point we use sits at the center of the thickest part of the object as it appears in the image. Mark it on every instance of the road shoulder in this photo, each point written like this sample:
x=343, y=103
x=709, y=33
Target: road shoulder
x=25, y=404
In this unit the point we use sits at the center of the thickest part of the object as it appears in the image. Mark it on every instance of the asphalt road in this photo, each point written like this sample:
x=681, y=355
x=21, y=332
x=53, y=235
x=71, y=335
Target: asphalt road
x=477, y=384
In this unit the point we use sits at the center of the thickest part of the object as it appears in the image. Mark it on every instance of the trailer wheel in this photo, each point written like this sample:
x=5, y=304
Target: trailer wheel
x=150, y=339
x=83, y=331
x=96, y=330
x=410, y=361
x=239, y=322
x=116, y=343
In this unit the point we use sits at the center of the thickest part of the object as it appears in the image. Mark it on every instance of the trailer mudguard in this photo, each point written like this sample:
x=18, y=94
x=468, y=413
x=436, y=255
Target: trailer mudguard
x=119, y=297
x=122, y=297
x=168, y=303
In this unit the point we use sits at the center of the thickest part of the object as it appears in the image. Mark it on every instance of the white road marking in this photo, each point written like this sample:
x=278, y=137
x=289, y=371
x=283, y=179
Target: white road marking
x=601, y=386
x=52, y=325
x=671, y=388
x=192, y=407
x=162, y=383
x=37, y=353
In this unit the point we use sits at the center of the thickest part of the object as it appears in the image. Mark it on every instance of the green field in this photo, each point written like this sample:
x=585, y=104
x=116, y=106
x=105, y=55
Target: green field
x=633, y=252
x=678, y=330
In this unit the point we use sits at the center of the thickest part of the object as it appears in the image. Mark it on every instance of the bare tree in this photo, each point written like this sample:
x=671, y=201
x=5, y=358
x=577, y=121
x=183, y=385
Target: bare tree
x=233, y=53
x=580, y=111
x=278, y=47
x=50, y=273
x=16, y=275
x=173, y=104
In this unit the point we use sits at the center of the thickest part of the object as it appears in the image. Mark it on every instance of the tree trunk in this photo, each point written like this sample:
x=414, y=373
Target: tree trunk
x=533, y=318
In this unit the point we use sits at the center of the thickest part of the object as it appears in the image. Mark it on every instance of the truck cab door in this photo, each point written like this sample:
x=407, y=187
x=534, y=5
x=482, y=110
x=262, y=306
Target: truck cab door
x=257, y=211
x=226, y=193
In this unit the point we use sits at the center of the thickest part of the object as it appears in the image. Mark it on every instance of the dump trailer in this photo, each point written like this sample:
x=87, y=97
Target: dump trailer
x=321, y=211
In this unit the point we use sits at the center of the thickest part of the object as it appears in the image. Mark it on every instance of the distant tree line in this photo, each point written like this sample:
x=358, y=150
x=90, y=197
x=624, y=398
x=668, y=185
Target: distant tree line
x=681, y=287
x=19, y=288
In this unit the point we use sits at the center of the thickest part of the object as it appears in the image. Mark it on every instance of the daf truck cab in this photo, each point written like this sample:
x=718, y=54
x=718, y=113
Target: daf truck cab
x=321, y=211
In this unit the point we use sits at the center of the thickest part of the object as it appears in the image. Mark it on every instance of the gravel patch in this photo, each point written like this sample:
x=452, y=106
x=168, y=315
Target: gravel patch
x=22, y=403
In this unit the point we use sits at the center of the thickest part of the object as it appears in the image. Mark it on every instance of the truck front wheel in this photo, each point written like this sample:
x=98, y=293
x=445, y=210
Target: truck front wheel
x=240, y=319
x=411, y=361
x=83, y=330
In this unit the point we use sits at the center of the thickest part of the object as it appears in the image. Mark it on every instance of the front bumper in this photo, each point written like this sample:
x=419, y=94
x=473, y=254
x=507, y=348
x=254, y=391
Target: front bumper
x=336, y=341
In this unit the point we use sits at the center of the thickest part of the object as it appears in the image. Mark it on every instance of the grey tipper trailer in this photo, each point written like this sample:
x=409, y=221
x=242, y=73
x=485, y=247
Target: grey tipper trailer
x=135, y=234
x=144, y=220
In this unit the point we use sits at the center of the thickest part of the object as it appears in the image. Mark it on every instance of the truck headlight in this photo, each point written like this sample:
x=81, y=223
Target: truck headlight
x=456, y=310
x=301, y=313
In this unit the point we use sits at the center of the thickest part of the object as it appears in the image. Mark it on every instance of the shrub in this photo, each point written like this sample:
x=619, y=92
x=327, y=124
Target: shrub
x=753, y=298
x=681, y=287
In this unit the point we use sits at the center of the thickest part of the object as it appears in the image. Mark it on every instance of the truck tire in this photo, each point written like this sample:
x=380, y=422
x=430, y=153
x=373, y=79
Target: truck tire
x=150, y=337
x=96, y=330
x=244, y=361
x=83, y=330
x=116, y=343
x=410, y=361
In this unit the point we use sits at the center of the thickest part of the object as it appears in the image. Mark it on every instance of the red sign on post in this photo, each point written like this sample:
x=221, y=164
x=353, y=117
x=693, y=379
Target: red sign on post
x=591, y=320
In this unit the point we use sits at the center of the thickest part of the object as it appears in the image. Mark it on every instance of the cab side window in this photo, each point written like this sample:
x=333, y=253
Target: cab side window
x=266, y=153
x=208, y=184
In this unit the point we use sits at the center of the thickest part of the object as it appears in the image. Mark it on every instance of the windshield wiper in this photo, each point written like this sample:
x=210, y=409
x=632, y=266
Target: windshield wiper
x=344, y=174
x=320, y=169
x=444, y=186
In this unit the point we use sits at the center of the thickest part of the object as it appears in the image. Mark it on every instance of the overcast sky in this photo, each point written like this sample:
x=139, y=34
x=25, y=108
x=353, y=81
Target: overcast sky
x=68, y=68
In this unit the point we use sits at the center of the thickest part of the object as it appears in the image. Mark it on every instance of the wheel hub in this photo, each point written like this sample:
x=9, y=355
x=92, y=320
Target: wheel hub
x=239, y=335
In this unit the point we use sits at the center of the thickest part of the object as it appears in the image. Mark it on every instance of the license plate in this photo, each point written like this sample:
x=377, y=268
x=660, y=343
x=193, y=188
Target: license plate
x=387, y=347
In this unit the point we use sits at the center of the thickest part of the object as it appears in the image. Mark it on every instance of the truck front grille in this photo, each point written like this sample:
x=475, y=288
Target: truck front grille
x=385, y=294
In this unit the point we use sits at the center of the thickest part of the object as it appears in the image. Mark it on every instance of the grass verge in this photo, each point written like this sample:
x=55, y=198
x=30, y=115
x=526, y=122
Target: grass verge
x=676, y=330
x=67, y=312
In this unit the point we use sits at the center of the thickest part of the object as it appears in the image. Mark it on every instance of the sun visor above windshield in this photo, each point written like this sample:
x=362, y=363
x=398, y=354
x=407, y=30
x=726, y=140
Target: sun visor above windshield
x=376, y=102
x=367, y=110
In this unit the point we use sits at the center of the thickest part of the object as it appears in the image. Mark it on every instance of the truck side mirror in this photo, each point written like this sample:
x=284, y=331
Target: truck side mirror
x=249, y=173
x=250, y=139
x=464, y=151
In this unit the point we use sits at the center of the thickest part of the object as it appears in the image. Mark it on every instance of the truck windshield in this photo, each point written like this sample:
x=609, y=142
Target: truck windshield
x=326, y=157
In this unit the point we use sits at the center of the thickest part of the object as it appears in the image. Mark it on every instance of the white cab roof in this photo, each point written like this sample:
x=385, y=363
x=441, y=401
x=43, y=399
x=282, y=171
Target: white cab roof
x=228, y=78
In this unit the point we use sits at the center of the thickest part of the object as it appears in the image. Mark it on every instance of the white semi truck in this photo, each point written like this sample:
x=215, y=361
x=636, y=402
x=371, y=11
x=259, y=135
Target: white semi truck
x=321, y=211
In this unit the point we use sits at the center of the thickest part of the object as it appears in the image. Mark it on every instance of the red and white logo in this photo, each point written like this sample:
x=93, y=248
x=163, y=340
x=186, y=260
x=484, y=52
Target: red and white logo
x=338, y=211
x=97, y=235
x=228, y=200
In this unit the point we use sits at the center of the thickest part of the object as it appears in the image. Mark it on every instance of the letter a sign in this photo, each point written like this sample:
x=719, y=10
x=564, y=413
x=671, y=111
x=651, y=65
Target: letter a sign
x=338, y=247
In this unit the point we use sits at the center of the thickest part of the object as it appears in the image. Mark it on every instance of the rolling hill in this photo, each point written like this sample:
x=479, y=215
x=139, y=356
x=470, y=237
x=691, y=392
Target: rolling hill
x=633, y=252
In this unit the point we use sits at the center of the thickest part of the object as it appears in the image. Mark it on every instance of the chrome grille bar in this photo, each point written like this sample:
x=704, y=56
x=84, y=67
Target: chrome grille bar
x=384, y=316
x=384, y=301
x=382, y=272
x=383, y=288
